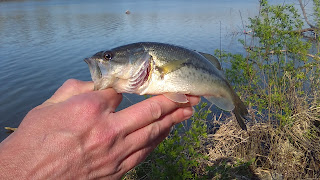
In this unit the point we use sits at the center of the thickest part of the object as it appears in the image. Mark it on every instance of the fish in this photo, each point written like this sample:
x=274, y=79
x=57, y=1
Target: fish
x=158, y=68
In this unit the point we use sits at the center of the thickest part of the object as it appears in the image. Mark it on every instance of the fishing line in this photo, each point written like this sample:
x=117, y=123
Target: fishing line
x=128, y=99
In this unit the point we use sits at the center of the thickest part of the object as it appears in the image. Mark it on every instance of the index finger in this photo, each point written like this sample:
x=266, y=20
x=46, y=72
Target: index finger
x=148, y=111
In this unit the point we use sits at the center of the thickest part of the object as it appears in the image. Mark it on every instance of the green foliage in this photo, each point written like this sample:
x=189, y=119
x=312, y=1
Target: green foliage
x=179, y=156
x=147, y=96
x=316, y=8
x=276, y=75
x=276, y=70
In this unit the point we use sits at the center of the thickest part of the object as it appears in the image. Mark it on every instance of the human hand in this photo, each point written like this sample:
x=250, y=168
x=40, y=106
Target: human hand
x=76, y=134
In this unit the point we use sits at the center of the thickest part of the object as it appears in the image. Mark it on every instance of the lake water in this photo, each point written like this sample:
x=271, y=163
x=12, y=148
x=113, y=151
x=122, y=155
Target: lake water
x=43, y=43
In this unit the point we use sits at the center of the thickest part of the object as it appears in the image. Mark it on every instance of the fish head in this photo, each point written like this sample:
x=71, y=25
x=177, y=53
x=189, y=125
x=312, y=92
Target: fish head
x=122, y=68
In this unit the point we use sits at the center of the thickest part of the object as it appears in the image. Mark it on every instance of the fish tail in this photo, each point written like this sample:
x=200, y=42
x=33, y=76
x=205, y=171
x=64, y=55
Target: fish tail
x=240, y=111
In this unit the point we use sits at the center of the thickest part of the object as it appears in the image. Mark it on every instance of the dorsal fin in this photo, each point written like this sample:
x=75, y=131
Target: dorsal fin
x=212, y=59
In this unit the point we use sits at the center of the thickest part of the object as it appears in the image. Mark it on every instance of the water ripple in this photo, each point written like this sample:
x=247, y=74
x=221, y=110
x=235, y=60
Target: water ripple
x=43, y=43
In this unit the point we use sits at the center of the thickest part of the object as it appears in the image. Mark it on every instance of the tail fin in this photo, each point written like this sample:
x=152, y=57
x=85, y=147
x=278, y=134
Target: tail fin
x=240, y=111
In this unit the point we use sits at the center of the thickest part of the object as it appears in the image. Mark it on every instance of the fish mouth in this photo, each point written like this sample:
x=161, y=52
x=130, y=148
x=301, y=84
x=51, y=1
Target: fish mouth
x=98, y=73
x=127, y=78
x=94, y=68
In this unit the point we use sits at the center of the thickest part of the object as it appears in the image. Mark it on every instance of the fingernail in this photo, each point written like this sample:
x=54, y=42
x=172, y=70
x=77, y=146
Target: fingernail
x=188, y=112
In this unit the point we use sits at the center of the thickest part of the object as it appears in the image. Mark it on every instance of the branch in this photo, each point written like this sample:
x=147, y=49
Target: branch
x=310, y=55
x=305, y=15
x=10, y=129
x=305, y=30
x=284, y=51
x=296, y=31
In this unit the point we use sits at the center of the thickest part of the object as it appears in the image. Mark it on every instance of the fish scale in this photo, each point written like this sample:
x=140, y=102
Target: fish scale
x=158, y=68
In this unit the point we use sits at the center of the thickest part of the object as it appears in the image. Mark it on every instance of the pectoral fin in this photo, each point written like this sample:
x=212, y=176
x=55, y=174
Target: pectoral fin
x=176, y=97
x=170, y=67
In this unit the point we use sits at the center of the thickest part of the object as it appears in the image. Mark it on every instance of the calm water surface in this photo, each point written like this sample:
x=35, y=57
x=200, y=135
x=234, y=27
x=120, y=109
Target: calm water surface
x=43, y=43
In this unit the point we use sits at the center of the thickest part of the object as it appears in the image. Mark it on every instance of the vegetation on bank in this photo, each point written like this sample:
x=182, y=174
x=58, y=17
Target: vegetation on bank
x=278, y=77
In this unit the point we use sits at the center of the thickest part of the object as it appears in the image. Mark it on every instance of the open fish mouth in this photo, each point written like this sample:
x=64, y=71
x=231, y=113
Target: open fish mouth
x=94, y=68
x=99, y=73
x=128, y=78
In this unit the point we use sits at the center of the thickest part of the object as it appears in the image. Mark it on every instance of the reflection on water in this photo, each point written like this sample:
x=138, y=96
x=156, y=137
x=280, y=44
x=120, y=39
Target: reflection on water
x=43, y=43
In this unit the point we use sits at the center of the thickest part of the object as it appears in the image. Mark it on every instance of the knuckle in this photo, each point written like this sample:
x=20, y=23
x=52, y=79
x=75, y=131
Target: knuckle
x=112, y=133
x=91, y=105
x=155, y=131
x=72, y=85
x=155, y=109
x=71, y=82
x=87, y=106
x=106, y=136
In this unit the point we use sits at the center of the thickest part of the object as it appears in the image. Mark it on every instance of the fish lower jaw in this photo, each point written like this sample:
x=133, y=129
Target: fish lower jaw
x=101, y=84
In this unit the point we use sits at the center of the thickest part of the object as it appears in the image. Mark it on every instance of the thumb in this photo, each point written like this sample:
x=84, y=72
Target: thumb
x=69, y=88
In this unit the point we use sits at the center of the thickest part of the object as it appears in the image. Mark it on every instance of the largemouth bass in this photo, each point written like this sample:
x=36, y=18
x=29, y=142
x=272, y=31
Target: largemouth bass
x=157, y=68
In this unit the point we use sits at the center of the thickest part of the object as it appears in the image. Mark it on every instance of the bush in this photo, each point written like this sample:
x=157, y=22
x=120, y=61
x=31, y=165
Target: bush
x=279, y=78
x=277, y=74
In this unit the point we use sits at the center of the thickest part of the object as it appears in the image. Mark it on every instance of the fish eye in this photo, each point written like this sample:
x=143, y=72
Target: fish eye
x=107, y=56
